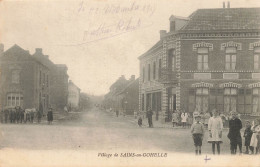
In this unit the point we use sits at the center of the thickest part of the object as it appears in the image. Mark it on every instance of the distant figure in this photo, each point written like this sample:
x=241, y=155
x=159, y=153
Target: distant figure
x=50, y=116
x=39, y=114
x=135, y=114
x=184, y=117
x=65, y=109
x=247, y=135
x=6, y=114
x=175, y=119
x=254, y=141
x=21, y=115
x=140, y=121
x=150, y=117
x=117, y=113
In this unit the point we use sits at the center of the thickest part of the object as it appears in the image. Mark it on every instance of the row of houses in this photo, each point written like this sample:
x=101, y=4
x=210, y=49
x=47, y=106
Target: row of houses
x=123, y=95
x=208, y=60
x=30, y=80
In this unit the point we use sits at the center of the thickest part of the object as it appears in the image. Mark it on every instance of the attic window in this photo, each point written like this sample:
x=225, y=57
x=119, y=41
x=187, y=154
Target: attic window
x=172, y=26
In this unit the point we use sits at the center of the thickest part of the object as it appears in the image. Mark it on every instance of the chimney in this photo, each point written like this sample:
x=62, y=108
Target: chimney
x=162, y=33
x=38, y=50
x=224, y=5
x=1, y=49
x=228, y=5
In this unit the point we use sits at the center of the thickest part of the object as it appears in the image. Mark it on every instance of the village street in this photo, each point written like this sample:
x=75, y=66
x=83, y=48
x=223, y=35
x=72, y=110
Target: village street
x=101, y=130
x=94, y=137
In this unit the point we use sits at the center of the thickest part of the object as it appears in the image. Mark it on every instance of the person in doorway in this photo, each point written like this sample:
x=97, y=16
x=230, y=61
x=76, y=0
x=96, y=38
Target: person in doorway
x=184, y=117
x=50, y=116
x=215, y=127
x=235, y=125
x=150, y=117
x=197, y=131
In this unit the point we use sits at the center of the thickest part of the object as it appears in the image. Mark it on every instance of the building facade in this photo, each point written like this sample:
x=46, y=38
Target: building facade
x=208, y=60
x=128, y=98
x=58, y=80
x=23, y=80
x=32, y=80
x=74, y=95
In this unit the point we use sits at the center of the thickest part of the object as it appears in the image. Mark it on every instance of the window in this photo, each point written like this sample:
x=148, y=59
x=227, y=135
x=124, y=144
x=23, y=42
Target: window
x=14, y=99
x=256, y=62
x=171, y=60
x=230, y=58
x=154, y=70
x=15, y=77
x=143, y=74
x=142, y=102
x=203, y=59
x=40, y=80
x=256, y=58
x=256, y=100
x=47, y=80
x=149, y=72
x=160, y=68
x=230, y=99
x=202, y=99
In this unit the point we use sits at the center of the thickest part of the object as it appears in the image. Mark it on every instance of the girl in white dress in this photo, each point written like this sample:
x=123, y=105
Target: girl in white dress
x=215, y=126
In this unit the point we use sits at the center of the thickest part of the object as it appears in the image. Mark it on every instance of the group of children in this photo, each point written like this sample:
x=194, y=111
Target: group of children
x=215, y=126
x=252, y=137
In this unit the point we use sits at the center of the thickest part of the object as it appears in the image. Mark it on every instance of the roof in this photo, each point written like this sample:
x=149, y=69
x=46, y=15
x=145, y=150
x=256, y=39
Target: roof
x=224, y=19
x=128, y=85
x=18, y=53
x=159, y=43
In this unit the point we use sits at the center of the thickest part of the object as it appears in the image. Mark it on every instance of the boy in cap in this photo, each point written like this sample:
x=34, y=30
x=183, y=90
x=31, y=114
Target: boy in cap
x=197, y=130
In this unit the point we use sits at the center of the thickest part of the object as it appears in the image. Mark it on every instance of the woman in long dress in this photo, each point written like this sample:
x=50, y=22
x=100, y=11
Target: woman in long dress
x=215, y=127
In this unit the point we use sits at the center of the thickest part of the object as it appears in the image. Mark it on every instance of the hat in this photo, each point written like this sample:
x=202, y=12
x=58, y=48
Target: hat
x=196, y=114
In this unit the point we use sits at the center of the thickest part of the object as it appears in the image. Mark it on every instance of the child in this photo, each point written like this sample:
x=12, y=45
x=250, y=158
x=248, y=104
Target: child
x=197, y=130
x=254, y=141
x=140, y=121
x=247, y=135
x=189, y=120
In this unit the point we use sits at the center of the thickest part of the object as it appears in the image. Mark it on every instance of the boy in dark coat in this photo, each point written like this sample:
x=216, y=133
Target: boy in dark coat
x=247, y=135
x=140, y=121
x=50, y=116
x=235, y=125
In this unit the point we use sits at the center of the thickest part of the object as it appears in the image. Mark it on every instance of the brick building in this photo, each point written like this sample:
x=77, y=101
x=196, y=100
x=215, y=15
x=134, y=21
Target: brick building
x=208, y=60
x=24, y=80
x=30, y=80
x=123, y=95
x=128, y=98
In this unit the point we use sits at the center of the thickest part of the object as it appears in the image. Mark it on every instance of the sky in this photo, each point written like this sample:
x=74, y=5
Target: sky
x=98, y=40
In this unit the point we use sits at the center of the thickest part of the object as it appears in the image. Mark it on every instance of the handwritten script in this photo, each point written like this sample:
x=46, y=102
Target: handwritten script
x=107, y=20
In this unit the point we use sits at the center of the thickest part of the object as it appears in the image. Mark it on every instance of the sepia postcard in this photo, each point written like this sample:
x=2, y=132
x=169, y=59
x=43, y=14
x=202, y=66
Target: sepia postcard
x=129, y=83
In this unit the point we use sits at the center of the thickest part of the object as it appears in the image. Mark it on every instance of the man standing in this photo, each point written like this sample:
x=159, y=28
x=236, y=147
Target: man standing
x=235, y=125
x=50, y=116
x=150, y=117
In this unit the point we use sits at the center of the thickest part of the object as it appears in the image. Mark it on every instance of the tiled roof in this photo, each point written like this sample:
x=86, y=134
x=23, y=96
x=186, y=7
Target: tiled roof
x=224, y=19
